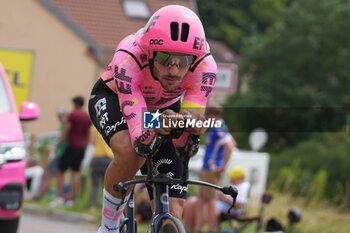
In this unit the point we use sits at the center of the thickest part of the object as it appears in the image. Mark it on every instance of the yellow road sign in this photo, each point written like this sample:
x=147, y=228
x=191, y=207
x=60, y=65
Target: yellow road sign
x=18, y=65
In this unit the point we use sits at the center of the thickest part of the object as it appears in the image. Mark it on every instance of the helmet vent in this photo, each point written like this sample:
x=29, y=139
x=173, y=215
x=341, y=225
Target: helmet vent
x=185, y=28
x=174, y=29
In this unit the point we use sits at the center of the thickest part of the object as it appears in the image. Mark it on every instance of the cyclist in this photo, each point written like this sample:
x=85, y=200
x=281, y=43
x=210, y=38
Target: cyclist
x=150, y=70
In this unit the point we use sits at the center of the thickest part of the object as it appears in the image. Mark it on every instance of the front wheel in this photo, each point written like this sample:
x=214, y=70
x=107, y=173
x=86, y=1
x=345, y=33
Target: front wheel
x=171, y=225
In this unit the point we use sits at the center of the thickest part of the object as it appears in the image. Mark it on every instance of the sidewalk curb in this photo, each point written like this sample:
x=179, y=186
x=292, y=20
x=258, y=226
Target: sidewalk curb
x=63, y=215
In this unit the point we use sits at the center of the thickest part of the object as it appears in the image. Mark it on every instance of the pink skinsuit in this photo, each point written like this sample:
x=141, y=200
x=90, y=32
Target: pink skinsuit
x=129, y=76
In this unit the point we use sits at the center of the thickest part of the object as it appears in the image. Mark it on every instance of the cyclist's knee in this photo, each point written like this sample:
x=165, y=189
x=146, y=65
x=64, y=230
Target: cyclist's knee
x=120, y=142
x=123, y=150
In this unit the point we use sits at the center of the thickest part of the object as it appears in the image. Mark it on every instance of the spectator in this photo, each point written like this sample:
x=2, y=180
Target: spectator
x=219, y=147
x=33, y=175
x=102, y=156
x=51, y=168
x=76, y=130
x=224, y=202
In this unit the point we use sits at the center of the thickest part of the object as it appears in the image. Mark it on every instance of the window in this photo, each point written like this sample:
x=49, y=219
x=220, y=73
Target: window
x=4, y=100
x=136, y=9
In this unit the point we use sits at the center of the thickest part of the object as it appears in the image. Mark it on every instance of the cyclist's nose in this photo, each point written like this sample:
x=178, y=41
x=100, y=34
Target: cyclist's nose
x=173, y=70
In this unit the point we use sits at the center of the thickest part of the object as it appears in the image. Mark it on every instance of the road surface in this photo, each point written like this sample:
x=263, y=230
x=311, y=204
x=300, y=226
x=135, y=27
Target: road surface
x=40, y=224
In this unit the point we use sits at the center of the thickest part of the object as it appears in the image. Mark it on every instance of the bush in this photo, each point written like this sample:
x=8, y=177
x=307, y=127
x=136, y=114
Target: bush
x=316, y=168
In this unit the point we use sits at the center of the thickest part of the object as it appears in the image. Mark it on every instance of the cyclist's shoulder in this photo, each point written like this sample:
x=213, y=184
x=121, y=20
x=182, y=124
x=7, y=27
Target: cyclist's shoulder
x=129, y=49
x=204, y=64
x=202, y=71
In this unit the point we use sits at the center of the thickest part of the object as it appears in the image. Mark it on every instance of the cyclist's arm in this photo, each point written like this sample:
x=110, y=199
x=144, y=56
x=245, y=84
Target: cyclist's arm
x=199, y=84
x=127, y=77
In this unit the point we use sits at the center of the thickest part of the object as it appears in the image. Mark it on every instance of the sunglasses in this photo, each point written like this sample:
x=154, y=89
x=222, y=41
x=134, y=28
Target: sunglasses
x=166, y=59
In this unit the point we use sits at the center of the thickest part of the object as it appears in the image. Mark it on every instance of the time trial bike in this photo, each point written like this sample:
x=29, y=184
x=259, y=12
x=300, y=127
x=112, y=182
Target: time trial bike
x=162, y=221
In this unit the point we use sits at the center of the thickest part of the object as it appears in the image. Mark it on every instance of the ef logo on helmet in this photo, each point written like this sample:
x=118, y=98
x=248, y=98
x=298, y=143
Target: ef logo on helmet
x=156, y=42
x=198, y=43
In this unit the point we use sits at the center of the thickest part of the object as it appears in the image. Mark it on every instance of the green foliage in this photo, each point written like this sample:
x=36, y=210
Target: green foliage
x=44, y=145
x=301, y=62
x=232, y=21
x=315, y=168
x=319, y=185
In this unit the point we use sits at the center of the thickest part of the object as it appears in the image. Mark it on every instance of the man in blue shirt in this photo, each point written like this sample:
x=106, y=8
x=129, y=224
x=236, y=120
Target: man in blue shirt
x=219, y=147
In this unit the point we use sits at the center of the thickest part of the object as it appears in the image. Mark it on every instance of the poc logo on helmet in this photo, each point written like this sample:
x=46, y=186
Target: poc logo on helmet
x=155, y=42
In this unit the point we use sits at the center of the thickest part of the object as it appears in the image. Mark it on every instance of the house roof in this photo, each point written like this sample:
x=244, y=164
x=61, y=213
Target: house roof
x=102, y=24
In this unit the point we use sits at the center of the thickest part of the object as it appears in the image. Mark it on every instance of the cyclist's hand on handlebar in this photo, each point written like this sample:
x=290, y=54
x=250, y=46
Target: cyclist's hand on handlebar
x=168, y=117
x=147, y=150
x=198, y=116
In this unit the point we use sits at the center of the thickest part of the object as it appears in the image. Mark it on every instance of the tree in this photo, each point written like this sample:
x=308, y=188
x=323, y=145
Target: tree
x=302, y=62
x=232, y=21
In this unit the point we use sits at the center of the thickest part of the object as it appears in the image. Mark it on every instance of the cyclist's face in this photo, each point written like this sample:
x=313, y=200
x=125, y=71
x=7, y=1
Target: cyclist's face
x=170, y=76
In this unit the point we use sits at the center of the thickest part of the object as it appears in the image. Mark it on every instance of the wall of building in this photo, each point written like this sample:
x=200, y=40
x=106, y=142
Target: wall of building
x=63, y=66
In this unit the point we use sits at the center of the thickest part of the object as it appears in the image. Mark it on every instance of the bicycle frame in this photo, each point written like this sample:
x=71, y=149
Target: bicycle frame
x=160, y=185
x=161, y=199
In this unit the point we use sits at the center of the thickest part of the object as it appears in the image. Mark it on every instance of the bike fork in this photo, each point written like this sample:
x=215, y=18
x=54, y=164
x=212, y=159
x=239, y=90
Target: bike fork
x=161, y=206
x=130, y=220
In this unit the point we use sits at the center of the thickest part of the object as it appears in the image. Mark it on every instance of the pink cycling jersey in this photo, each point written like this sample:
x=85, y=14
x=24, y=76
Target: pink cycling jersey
x=129, y=76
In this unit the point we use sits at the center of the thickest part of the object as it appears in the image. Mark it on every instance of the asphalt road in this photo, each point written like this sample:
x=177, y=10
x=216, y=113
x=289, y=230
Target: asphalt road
x=40, y=224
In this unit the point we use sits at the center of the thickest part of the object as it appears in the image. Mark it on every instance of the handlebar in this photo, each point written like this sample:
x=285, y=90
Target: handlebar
x=191, y=148
x=122, y=187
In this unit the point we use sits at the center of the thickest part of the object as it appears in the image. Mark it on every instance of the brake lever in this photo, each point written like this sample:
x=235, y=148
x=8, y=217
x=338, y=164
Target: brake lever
x=233, y=192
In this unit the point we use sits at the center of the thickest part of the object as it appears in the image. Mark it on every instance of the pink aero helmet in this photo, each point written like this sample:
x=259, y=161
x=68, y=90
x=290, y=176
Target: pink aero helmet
x=175, y=29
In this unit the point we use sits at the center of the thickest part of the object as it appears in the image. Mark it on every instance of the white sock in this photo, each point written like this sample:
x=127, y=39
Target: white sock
x=110, y=215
